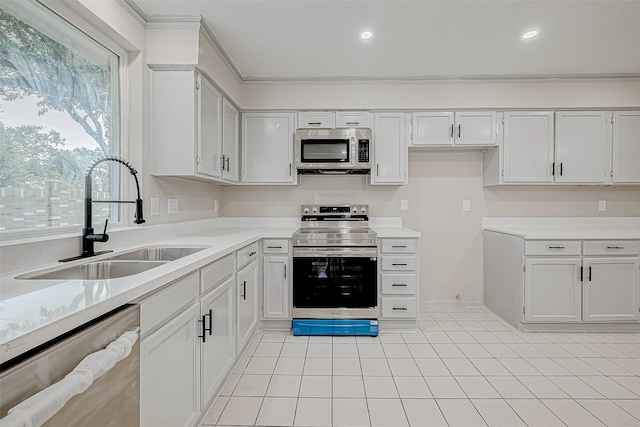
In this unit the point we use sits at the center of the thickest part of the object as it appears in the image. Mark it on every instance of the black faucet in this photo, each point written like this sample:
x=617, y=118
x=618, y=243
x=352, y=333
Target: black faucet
x=88, y=236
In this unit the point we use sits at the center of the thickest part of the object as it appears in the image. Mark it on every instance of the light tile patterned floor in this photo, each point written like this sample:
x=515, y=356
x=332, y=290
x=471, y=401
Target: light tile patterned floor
x=464, y=367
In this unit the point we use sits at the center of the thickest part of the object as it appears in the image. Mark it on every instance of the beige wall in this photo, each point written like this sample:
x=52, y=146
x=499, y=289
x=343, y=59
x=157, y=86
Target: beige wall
x=451, y=244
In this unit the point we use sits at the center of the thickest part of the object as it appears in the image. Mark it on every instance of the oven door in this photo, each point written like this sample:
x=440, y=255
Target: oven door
x=334, y=279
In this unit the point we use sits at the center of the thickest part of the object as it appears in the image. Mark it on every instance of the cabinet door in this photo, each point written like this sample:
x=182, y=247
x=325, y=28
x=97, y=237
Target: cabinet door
x=475, y=128
x=230, y=141
x=610, y=289
x=267, y=148
x=552, y=290
x=218, y=351
x=170, y=372
x=626, y=147
x=432, y=128
x=210, y=129
x=389, y=149
x=276, y=287
x=352, y=119
x=528, y=146
x=581, y=140
x=247, y=297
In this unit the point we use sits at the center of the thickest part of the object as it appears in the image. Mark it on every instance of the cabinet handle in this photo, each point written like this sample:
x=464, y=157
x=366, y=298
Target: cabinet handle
x=244, y=290
x=451, y=131
x=274, y=247
x=553, y=169
x=399, y=284
x=227, y=164
x=314, y=123
x=204, y=328
x=289, y=168
x=615, y=247
x=581, y=268
x=398, y=246
x=589, y=273
x=210, y=321
x=459, y=130
x=251, y=253
x=377, y=169
x=400, y=308
x=223, y=156
x=557, y=247
x=560, y=168
x=285, y=271
x=353, y=123
x=399, y=263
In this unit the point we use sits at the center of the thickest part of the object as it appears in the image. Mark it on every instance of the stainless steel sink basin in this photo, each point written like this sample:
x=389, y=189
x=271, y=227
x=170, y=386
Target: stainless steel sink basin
x=99, y=270
x=157, y=254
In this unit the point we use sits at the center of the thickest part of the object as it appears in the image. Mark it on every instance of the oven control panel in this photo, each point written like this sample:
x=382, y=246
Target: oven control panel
x=339, y=210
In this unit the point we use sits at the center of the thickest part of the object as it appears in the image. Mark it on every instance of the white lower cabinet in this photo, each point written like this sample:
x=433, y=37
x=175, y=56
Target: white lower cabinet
x=247, y=304
x=398, y=279
x=611, y=289
x=170, y=372
x=218, y=352
x=552, y=290
x=276, y=287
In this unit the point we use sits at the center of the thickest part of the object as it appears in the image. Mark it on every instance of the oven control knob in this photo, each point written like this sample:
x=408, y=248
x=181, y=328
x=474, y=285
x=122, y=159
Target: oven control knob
x=315, y=210
x=306, y=210
x=363, y=210
x=355, y=210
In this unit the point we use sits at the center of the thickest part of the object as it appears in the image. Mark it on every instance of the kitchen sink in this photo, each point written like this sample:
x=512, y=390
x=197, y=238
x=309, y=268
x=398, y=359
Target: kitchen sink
x=157, y=254
x=98, y=270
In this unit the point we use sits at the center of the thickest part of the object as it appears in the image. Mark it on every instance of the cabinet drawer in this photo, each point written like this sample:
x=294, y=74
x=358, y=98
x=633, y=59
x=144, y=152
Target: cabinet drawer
x=611, y=247
x=247, y=254
x=316, y=119
x=352, y=119
x=398, y=246
x=398, y=307
x=398, y=284
x=275, y=246
x=390, y=262
x=213, y=274
x=552, y=247
x=160, y=306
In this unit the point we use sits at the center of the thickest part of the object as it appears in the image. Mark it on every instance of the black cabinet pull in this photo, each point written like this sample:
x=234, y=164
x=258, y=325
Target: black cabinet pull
x=399, y=284
x=561, y=169
x=451, y=131
x=285, y=271
x=210, y=322
x=353, y=123
x=581, y=268
x=244, y=290
x=223, y=157
x=615, y=247
x=459, y=130
x=589, y=273
x=400, y=308
x=251, y=253
x=314, y=123
x=556, y=247
x=399, y=263
x=204, y=328
x=398, y=246
x=227, y=164
x=553, y=169
x=274, y=247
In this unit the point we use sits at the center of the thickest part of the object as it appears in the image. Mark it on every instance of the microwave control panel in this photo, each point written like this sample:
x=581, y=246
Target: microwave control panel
x=363, y=151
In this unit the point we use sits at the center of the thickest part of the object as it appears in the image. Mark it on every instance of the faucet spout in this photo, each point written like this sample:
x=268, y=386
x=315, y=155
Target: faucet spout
x=88, y=235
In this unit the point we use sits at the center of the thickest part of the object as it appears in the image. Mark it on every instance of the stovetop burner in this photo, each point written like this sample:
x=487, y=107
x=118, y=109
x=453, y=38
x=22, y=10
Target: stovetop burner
x=334, y=226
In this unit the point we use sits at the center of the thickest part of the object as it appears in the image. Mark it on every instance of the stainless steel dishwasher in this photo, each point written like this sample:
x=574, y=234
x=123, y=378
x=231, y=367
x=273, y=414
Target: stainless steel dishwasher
x=113, y=399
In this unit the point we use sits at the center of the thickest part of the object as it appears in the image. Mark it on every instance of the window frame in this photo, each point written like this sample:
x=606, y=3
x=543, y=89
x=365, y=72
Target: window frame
x=70, y=18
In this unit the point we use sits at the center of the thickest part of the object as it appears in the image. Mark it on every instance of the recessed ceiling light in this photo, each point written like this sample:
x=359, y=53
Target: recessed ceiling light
x=366, y=35
x=530, y=34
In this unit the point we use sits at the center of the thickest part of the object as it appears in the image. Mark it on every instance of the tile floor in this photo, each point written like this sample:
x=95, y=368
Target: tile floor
x=464, y=367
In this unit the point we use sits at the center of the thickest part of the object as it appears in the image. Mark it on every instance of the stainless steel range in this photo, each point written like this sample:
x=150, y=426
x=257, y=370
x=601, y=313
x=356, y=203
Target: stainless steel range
x=335, y=271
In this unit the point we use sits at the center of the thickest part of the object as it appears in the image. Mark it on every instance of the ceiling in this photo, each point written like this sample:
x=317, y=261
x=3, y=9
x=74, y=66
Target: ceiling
x=318, y=40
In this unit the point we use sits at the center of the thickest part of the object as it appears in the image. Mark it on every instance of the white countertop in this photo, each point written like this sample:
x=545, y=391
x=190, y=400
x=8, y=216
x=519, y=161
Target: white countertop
x=600, y=228
x=33, y=312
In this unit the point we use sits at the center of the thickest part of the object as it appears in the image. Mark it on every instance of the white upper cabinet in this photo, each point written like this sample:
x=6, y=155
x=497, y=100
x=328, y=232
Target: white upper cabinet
x=528, y=146
x=267, y=148
x=582, y=138
x=316, y=119
x=460, y=128
x=389, y=149
x=230, y=142
x=210, y=128
x=626, y=147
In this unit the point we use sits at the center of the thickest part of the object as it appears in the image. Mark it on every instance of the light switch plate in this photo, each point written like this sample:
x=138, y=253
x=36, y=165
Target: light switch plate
x=404, y=205
x=602, y=205
x=155, y=206
x=172, y=206
x=466, y=205
x=215, y=205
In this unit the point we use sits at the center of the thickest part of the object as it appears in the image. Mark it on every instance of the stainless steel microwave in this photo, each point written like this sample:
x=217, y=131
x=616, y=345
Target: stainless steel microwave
x=333, y=151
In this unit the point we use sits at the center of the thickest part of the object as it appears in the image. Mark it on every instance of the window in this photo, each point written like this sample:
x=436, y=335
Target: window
x=59, y=112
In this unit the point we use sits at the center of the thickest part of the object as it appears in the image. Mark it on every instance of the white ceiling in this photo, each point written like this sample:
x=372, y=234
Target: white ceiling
x=319, y=39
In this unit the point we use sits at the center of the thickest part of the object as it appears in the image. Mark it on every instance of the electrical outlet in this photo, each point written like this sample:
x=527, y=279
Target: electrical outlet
x=602, y=205
x=155, y=206
x=404, y=205
x=215, y=205
x=172, y=206
x=466, y=205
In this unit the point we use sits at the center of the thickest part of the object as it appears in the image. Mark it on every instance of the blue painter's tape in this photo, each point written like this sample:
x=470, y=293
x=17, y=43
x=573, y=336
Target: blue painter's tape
x=367, y=327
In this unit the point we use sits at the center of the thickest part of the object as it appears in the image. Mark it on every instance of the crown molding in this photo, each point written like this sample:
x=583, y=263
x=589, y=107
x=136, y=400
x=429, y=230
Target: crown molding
x=134, y=11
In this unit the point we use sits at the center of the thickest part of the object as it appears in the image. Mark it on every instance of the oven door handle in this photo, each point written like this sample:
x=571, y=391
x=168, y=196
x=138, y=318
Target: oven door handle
x=335, y=252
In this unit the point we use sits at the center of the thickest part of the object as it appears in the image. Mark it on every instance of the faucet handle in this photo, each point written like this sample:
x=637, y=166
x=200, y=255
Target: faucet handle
x=104, y=232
